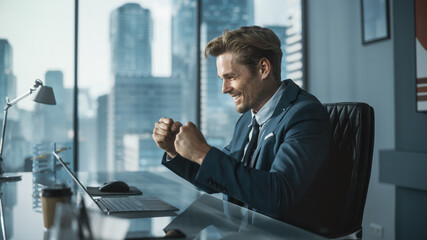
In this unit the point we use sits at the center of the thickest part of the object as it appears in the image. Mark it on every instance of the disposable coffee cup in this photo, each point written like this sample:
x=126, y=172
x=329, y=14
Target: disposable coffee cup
x=50, y=196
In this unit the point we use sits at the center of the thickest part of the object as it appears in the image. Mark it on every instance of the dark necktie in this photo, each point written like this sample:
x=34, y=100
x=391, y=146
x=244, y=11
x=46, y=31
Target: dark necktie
x=252, y=144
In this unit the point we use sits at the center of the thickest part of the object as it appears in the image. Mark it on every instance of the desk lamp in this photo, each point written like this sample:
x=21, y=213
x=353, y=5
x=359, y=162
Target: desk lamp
x=43, y=95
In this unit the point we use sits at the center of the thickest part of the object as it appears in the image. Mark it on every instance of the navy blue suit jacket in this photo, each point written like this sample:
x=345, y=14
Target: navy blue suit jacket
x=294, y=146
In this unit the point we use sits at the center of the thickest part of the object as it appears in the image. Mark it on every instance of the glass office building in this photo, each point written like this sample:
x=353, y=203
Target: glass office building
x=7, y=79
x=135, y=101
x=135, y=62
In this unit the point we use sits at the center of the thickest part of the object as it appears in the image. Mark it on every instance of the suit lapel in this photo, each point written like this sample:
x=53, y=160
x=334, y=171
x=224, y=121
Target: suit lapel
x=242, y=137
x=288, y=98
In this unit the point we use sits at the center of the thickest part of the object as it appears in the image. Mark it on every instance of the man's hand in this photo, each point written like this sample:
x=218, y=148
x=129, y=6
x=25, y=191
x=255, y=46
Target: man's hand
x=164, y=134
x=191, y=144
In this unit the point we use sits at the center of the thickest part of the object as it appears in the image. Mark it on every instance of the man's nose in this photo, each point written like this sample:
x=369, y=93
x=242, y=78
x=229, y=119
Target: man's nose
x=225, y=86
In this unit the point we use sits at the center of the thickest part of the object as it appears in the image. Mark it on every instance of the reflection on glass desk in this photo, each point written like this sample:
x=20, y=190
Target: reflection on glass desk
x=201, y=216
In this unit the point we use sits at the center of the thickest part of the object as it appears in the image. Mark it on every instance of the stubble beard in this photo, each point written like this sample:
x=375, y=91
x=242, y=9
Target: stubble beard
x=242, y=108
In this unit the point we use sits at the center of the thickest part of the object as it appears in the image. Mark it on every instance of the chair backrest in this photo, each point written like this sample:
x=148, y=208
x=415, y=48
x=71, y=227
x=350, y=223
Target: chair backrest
x=353, y=144
x=333, y=206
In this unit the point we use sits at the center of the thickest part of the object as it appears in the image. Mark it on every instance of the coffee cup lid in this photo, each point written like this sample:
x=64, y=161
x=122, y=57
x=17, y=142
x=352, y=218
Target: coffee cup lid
x=57, y=190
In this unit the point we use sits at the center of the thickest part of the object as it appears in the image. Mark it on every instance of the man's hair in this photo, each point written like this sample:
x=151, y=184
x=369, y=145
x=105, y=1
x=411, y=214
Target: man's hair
x=250, y=44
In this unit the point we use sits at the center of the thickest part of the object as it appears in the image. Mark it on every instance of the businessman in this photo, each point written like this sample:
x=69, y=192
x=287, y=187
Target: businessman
x=279, y=142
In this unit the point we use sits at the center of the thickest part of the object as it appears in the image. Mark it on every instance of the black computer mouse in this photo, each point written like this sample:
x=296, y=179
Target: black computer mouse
x=114, y=186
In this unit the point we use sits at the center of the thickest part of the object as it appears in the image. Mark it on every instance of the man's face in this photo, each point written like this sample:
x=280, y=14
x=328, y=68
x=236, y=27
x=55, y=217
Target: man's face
x=240, y=83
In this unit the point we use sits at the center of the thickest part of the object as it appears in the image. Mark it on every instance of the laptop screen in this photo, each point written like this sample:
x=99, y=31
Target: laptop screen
x=76, y=180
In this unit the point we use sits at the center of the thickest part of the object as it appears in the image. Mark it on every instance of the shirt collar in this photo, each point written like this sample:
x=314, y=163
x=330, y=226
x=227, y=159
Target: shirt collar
x=267, y=110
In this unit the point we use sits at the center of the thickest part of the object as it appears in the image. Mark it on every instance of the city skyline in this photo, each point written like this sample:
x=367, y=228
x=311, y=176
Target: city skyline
x=56, y=51
x=131, y=81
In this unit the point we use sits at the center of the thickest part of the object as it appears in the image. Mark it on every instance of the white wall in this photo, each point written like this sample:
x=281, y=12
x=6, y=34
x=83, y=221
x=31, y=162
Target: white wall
x=340, y=68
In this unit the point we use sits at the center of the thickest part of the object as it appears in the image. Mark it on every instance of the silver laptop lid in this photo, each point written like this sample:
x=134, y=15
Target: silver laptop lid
x=73, y=176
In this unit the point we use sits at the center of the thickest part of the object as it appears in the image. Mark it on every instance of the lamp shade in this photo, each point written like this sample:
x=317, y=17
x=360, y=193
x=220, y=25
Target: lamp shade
x=45, y=95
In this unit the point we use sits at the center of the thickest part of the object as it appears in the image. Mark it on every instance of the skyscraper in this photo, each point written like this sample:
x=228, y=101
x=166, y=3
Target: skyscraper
x=101, y=132
x=15, y=144
x=58, y=118
x=130, y=38
x=218, y=114
x=280, y=31
x=7, y=79
x=184, y=25
x=294, y=45
x=55, y=79
x=184, y=53
x=130, y=41
x=137, y=99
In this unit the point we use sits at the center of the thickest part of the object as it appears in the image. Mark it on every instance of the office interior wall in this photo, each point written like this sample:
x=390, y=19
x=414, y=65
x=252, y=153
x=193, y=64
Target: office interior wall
x=340, y=68
x=411, y=129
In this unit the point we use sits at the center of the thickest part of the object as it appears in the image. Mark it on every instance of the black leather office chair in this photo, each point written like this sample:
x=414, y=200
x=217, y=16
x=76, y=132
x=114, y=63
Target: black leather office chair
x=333, y=206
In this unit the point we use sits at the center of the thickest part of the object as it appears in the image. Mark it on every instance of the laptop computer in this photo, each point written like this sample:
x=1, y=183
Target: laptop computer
x=122, y=204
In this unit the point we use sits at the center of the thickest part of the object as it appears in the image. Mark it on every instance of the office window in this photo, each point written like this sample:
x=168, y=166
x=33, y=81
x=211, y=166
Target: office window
x=137, y=63
x=36, y=42
x=218, y=113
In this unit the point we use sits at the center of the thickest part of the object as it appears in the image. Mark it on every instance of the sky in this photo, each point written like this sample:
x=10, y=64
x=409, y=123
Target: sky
x=42, y=37
x=41, y=40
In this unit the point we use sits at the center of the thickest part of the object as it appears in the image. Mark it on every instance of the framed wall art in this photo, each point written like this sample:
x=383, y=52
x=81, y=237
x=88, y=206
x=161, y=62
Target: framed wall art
x=375, y=20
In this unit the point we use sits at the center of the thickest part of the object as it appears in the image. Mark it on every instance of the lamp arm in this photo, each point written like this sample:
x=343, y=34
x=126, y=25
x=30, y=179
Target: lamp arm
x=9, y=104
x=16, y=100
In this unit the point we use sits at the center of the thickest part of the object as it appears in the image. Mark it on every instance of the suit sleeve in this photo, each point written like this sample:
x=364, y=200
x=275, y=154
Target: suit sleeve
x=187, y=170
x=301, y=147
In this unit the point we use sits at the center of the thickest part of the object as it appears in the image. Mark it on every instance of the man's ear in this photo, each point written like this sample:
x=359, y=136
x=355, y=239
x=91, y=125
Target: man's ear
x=264, y=67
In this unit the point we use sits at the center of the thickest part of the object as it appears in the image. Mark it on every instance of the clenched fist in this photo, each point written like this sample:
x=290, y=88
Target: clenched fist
x=191, y=144
x=164, y=134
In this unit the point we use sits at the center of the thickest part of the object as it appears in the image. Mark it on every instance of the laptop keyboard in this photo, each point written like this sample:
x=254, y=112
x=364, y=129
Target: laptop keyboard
x=121, y=204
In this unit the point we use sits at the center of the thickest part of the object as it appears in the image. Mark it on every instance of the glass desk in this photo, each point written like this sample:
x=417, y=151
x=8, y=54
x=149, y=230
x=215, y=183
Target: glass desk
x=201, y=216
